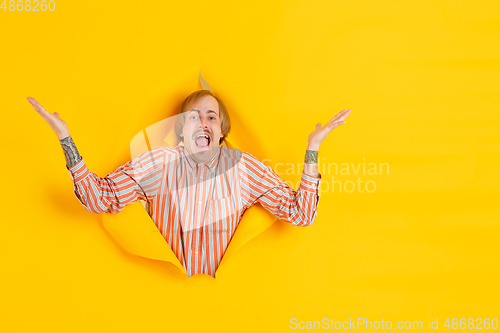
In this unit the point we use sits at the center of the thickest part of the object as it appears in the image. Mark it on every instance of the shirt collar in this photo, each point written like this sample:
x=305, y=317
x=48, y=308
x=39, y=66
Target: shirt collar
x=210, y=164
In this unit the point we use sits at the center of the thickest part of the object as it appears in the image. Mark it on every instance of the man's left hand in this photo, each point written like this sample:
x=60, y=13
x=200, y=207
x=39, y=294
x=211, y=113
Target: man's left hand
x=321, y=132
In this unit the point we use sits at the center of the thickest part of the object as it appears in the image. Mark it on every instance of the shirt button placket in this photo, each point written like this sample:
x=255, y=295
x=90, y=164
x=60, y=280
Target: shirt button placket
x=200, y=170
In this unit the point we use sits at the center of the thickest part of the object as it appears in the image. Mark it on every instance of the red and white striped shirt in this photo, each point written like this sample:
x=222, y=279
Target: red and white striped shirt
x=197, y=206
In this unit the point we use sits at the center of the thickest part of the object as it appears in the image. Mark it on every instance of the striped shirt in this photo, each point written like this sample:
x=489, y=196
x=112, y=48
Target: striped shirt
x=197, y=206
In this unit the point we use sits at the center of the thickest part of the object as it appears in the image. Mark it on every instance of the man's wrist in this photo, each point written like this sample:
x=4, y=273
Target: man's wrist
x=312, y=147
x=61, y=136
x=311, y=157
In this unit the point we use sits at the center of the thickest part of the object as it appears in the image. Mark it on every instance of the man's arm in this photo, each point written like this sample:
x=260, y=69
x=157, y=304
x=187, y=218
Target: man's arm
x=139, y=178
x=260, y=183
x=70, y=151
x=311, y=162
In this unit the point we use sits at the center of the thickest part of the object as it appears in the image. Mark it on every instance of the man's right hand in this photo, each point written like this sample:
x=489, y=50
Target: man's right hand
x=58, y=125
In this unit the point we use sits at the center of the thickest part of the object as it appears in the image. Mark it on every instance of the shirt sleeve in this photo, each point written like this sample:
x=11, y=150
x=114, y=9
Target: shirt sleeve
x=139, y=178
x=260, y=183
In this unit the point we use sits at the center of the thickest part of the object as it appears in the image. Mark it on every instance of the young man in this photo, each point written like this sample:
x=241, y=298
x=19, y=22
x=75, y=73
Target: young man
x=198, y=191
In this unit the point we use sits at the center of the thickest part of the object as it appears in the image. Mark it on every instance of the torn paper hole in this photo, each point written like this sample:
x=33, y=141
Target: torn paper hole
x=135, y=230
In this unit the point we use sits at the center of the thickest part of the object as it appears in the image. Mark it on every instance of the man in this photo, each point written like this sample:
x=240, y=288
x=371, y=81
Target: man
x=198, y=191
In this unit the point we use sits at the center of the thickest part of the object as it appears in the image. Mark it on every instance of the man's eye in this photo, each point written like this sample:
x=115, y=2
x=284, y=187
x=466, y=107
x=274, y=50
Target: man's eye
x=193, y=117
x=212, y=117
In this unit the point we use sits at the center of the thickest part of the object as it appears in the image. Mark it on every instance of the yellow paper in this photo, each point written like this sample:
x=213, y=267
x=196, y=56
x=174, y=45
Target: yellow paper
x=421, y=78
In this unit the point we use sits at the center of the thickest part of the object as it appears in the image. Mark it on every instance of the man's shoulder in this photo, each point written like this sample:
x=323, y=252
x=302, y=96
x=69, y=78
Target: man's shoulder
x=230, y=153
x=241, y=157
x=160, y=152
x=237, y=155
x=172, y=151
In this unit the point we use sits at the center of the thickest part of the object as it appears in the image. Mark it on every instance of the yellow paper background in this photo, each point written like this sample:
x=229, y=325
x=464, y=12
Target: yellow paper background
x=422, y=79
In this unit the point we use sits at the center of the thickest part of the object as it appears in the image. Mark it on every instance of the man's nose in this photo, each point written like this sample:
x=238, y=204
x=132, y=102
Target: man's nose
x=203, y=123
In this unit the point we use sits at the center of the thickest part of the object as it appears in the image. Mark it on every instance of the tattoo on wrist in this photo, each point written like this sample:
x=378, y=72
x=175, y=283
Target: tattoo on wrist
x=311, y=156
x=70, y=151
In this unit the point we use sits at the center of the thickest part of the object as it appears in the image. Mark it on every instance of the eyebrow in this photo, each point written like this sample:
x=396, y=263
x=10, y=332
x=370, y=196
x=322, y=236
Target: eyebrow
x=208, y=111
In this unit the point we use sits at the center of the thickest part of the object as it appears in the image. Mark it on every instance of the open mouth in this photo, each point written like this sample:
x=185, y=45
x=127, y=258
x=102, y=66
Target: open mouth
x=202, y=140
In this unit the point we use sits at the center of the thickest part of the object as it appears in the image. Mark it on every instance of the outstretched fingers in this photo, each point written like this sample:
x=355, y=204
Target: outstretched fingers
x=334, y=125
x=38, y=108
x=340, y=116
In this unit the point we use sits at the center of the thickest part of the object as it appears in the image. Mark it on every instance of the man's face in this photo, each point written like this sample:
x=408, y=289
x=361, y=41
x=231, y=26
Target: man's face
x=202, y=129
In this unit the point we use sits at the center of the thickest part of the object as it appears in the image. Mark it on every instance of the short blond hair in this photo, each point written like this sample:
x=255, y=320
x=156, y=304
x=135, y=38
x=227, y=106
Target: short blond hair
x=225, y=122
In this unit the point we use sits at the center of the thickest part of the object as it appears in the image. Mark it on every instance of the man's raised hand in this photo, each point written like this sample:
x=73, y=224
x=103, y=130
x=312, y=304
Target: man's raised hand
x=58, y=125
x=321, y=132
